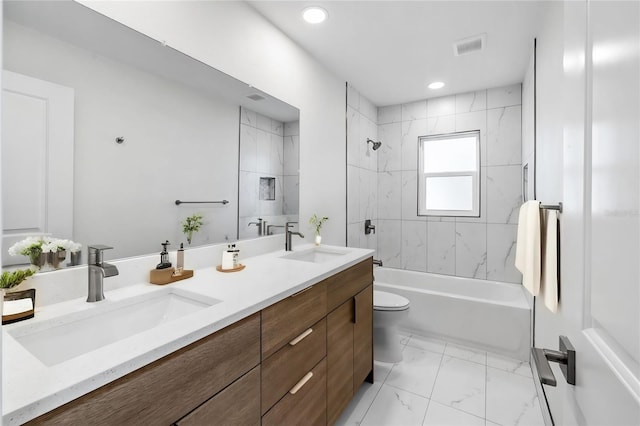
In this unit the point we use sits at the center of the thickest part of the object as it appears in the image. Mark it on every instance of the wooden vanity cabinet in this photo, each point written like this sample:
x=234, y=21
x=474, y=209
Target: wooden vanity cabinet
x=298, y=361
x=349, y=335
x=166, y=390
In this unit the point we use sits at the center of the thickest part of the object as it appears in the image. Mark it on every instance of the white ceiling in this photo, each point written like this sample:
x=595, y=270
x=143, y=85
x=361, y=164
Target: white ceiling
x=390, y=50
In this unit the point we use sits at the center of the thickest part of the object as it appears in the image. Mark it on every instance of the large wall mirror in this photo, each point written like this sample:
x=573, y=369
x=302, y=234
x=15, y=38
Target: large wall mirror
x=105, y=128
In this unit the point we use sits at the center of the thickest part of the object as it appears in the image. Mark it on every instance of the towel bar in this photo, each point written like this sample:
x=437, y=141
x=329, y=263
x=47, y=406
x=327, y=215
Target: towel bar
x=552, y=207
x=178, y=202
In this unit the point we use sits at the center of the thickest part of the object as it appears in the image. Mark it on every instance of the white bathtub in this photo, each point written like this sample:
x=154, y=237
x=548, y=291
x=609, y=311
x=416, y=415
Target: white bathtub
x=488, y=314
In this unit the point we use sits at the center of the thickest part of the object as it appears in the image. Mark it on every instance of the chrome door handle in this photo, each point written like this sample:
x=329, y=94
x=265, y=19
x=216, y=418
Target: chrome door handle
x=566, y=357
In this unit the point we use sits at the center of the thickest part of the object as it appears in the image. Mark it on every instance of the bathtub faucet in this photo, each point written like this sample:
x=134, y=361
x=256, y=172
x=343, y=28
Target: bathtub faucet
x=377, y=262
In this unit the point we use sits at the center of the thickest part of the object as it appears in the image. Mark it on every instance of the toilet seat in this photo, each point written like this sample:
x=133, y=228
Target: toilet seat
x=383, y=301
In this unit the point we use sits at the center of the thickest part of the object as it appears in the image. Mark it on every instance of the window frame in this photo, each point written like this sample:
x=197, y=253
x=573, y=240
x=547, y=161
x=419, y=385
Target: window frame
x=422, y=177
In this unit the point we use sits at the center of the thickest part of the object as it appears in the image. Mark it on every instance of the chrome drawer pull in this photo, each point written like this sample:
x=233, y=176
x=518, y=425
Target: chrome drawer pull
x=300, y=337
x=301, y=383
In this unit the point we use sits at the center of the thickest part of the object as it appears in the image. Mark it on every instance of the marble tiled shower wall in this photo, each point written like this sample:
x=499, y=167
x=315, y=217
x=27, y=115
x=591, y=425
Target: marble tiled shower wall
x=481, y=247
x=362, y=170
x=268, y=148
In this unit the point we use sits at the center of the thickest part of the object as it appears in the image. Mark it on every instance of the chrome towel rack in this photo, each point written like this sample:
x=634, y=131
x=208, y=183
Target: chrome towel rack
x=552, y=207
x=178, y=202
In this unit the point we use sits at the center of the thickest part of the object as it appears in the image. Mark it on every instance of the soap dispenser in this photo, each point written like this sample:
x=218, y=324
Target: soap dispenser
x=164, y=257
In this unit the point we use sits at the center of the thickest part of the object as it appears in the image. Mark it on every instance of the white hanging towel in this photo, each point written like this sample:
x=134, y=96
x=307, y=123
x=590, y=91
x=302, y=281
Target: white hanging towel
x=550, y=263
x=528, y=246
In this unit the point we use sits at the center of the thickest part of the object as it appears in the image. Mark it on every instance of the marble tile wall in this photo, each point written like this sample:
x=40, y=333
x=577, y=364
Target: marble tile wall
x=483, y=247
x=268, y=148
x=362, y=171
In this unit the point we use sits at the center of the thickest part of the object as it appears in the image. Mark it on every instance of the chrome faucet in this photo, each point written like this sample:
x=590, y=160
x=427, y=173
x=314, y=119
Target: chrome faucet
x=288, y=234
x=98, y=270
x=261, y=224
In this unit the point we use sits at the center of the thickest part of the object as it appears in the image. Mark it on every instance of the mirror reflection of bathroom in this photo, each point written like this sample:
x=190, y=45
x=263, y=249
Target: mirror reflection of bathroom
x=269, y=174
x=139, y=111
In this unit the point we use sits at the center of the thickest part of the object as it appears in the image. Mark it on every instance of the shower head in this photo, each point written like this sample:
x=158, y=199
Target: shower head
x=376, y=145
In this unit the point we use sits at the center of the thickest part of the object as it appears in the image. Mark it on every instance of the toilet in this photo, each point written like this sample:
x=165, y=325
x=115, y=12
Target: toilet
x=388, y=311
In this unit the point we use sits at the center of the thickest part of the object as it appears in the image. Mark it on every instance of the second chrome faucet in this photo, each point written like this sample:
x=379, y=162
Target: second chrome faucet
x=98, y=271
x=288, y=234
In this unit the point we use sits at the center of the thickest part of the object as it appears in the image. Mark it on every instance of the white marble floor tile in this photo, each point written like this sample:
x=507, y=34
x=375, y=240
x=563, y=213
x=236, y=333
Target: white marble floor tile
x=461, y=384
x=381, y=371
x=404, y=338
x=357, y=408
x=511, y=365
x=512, y=399
x=396, y=407
x=466, y=353
x=427, y=344
x=441, y=415
x=417, y=372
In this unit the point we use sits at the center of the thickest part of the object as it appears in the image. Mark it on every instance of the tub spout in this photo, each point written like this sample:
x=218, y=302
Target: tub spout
x=377, y=262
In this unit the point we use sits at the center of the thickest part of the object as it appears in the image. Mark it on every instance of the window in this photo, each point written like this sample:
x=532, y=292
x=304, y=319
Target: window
x=448, y=175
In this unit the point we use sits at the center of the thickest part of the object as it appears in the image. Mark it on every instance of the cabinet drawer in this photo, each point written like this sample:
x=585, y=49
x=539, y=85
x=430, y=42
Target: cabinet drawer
x=282, y=370
x=348, y=283
x=306, y=407
x=286, y=319
x=238, y=404
x=167, y=389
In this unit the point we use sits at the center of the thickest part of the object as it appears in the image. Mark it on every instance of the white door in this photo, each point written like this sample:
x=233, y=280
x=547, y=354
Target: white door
x=37, y=160
x=600, y=225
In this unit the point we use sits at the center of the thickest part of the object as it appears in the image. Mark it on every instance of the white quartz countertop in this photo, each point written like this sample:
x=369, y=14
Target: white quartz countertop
x=30, y=388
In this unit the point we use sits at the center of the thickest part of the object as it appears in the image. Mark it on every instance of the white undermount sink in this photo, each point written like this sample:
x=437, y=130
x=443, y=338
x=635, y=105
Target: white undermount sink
x=316, y=254
x=65, y=337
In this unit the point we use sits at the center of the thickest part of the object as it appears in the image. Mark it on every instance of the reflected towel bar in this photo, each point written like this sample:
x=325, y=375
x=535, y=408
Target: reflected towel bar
x=552, y=207
x=178, y=202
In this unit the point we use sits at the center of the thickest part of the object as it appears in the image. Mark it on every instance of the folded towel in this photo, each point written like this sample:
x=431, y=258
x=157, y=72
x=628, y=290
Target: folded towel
x=528, y=246
x=12, y=307
x=549, y=284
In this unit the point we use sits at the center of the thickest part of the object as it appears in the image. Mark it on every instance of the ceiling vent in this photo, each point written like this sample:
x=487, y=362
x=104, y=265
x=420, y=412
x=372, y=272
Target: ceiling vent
x=256, y=97
x=469, y=45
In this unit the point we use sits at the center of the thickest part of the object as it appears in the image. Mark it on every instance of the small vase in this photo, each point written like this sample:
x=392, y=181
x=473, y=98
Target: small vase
x=318, y=239
x=76, y=258
x=38, y=259
x=54, y=258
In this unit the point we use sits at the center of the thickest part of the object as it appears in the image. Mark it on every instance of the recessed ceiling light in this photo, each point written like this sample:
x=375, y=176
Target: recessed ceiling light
x=436, y=85
x=314, y=14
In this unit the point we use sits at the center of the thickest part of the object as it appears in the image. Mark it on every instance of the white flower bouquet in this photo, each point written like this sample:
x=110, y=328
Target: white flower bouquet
x=34, y=247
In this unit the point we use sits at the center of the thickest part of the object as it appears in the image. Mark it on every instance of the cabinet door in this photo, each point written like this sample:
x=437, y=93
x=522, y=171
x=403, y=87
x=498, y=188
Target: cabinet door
x=363, y=337
x=238, y=404
x=339, y=359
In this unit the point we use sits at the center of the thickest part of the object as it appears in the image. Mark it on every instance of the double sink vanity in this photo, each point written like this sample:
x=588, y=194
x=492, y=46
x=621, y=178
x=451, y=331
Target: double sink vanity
x=288, y=340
